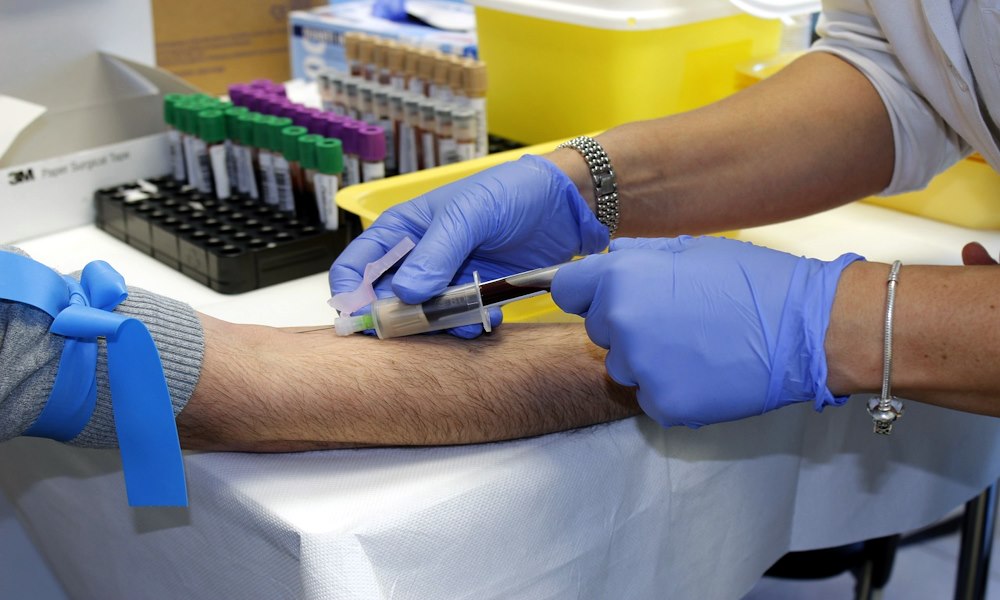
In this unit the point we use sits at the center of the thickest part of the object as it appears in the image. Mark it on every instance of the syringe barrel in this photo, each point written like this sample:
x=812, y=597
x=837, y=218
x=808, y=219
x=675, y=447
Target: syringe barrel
x=456, y=306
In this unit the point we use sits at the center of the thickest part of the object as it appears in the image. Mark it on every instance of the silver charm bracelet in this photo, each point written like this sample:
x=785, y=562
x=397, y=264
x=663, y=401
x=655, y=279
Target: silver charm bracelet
x=886, y=409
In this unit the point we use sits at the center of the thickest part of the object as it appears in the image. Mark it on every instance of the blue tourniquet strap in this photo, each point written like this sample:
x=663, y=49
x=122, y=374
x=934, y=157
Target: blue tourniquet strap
x=144, y=418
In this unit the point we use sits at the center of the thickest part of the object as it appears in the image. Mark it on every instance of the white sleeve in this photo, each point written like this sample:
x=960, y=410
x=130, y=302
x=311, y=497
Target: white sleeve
x=924, y=144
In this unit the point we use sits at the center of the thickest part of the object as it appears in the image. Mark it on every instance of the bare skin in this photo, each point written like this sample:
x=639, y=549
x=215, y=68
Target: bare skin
x=789, y=147
x=270, y=390
x=784, y=148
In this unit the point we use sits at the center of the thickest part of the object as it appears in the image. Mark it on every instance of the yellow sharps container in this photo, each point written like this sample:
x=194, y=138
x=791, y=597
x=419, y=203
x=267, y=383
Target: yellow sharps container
x=561, y=67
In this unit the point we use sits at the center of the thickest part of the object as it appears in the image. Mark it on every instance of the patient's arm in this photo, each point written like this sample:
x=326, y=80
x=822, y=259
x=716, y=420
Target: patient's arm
x=269, y=390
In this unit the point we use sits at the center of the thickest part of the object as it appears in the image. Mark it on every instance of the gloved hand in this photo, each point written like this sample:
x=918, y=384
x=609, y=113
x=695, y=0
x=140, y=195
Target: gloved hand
x=510, y=218
x=709, y=329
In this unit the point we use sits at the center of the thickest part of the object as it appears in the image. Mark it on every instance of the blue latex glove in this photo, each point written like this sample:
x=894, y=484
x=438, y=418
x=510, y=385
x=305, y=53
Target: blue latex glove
x=709, y=329
x=513, y=217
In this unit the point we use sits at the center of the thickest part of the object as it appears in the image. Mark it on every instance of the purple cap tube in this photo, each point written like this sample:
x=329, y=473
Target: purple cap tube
x=334, y=125
x=349, y=135
x=238, y=94
x=300, y=115
x=371, y=143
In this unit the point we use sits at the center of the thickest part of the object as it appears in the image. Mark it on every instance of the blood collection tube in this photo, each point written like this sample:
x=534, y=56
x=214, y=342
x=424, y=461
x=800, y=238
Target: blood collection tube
x=439, y=89
x=394, y=54
x=290, y=151
x=409, y=133
x=199, y=150
x=353, y=98
x=425, y=72
x=366, y=56
x=475, y=90
x=334, y=126
x=352, y=164
x=337, y=94
x=246, y=172
x=186, y=111
x=447, y=150
x=354, y=68
x=380, y=60
x=411, y=69
x=329, y=165
x=428, y=134
x=325, y=93
x=174, y=137
x=265, y=158
x=306, y=207
x=397, y=115
x=371, y=152
x=456, y=80
x=284, y=197
x=232, y=141
x=464, y=130
x=237, y=94
x=212, y=125
x=383, y=114
x=366, y=92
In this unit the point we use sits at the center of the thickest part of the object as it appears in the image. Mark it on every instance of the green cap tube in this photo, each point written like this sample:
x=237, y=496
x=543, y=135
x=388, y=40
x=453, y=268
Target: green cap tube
x=307, y=150
x=212, y=126
x=290, y=141
x=275, y=125
x=170, y=108
x=232, y=124
x=329, y=156
x=261, y=131
x=246, y=125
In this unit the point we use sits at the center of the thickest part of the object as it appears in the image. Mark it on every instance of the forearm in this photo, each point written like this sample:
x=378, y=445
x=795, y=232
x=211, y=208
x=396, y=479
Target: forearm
x=946, y=329
x=264, y=389
x=814, y=136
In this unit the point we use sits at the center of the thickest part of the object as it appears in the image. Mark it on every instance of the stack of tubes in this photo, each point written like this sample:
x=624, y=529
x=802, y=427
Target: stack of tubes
x=430, y=105
x=268, y=148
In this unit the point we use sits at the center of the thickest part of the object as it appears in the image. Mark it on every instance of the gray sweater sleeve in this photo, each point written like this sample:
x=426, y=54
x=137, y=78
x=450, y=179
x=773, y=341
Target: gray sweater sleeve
x=29, y=360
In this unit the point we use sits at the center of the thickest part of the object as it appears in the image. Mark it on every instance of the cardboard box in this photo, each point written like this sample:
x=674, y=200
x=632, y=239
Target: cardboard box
x=316, y=35
x=98, y=123
x=213, y=43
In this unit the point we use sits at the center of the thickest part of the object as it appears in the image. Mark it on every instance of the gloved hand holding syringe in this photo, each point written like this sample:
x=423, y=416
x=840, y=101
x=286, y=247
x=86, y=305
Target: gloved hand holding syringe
x=465, y=304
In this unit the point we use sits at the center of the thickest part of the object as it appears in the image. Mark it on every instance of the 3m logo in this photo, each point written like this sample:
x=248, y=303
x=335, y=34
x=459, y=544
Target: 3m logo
x=16, y=177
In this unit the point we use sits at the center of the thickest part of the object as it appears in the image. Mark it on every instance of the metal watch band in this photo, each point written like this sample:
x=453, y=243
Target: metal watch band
x=603, y=176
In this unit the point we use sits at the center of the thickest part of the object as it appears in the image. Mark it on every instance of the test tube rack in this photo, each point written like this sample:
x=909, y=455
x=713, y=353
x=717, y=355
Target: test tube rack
x=232, y=246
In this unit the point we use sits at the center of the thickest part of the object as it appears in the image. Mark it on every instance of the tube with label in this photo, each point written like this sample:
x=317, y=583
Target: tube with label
x=326, y=181
x=371, y=152
x=177, y=168
x=213, y=134
x=352, y=165
x=475, y=82
x=284, y=197
x=290, y=150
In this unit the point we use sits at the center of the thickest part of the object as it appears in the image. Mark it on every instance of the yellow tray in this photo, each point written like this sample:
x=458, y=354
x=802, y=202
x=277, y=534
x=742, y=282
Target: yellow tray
x=370, y=199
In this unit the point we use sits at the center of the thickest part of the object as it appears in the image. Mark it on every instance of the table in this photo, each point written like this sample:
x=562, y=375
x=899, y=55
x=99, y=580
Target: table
x=625, y=509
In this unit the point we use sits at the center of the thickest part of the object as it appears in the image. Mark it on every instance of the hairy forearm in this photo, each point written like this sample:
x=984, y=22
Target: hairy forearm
x=814, y=136
x=946, y=328
x=264, y=389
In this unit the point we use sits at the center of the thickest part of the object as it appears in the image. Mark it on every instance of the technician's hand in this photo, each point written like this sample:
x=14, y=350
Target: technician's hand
x=510, y=218
x=709, y=329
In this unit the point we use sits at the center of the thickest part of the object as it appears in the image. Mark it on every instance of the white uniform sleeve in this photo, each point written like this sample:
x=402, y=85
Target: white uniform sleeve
x=924, y=144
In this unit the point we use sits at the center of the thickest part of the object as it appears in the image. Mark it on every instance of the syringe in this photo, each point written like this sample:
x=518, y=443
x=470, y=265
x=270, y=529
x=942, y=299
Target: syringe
x=465, y=304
